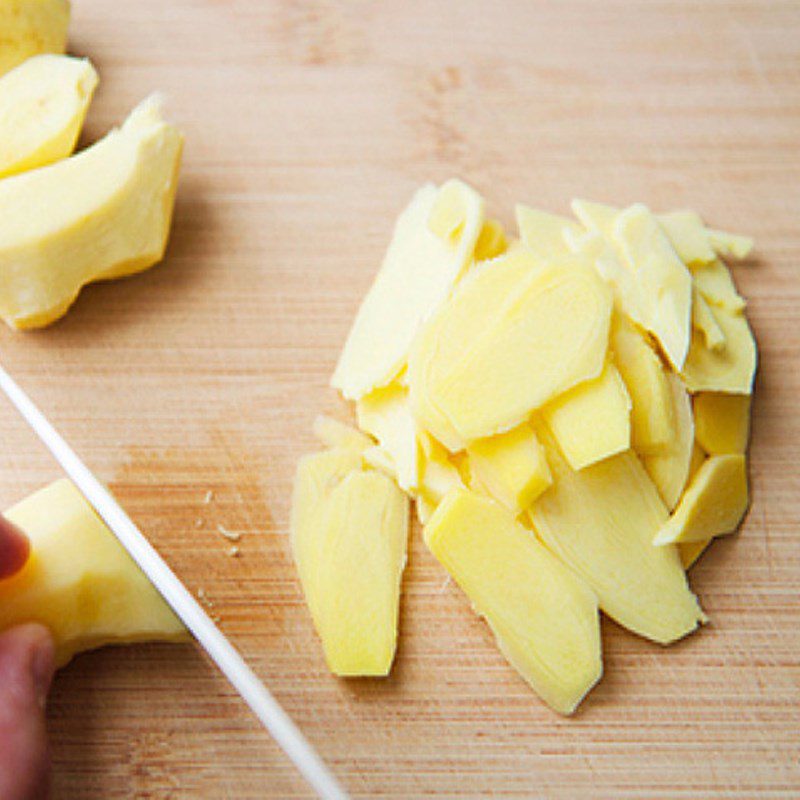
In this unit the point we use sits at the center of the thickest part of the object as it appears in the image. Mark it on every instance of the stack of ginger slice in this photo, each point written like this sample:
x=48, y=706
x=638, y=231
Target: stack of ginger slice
x=569, y=412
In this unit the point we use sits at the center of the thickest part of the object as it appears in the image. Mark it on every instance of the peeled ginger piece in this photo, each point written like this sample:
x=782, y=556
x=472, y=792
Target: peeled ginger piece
x=730, y=368
x=555, y=323
x=31, y=27
x=362, y=554
x=544, y=234
x=722, y=422
x=79, y=581
x=318, y=474
x=600, y=521
x=492, y=241
x=511, y=466
x=43, y=103
x=664, y=280
x=333, y=433
x=100, y=214
x=419, y=271
x=592, y=421
x=386, y=414
x=713, y=504
x=653, y=424
x=543, y=616
x=670, y=470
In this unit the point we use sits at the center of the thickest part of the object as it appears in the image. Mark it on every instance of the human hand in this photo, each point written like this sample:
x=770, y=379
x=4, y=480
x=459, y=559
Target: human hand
x=26, y=671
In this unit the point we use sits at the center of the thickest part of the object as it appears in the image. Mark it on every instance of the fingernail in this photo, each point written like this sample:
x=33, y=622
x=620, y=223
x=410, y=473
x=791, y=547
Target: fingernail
x=43, y=667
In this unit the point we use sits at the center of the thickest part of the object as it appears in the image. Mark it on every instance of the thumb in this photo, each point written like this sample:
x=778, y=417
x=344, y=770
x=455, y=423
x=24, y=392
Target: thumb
x=26, y=670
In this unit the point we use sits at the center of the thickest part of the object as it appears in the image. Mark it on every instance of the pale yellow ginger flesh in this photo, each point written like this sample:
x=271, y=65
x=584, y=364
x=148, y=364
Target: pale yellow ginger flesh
x=492, y=241
x=704, y=320
x=79, y=581
x=601, y=521
x=730, y=245
x=100, y=214
x=418, y=273
x=441, y=341
x=669, y=470
x=689, y=236
x=715, y=283
x=653, y=423
x=333, y=433
x=690, y=552
x=362, y=554
x=544, y=234
x=31, y=27
x=722, y=422
x=713, y=504
x=317, y=476
x=730, y=368
x=664, y=280
x=512, y=467
x=546, y=401
x=386, y=414
x=543, y=616
x=348, y=533
x=592, y=421
x=43, y=103
x=555, y=323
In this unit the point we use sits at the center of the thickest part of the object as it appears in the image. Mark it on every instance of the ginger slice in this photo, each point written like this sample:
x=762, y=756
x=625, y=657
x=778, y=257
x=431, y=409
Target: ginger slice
x=543, y=616
x=512, y=467
x=601, y=521
x=419, y=271
x=714, y=502
x=592, y=421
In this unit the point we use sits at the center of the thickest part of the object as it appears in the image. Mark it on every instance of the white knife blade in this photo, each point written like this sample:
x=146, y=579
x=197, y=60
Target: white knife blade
x=180, y=599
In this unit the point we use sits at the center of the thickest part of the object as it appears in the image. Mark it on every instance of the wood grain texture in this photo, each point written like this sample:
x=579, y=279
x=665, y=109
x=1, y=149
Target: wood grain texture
x=309, y=123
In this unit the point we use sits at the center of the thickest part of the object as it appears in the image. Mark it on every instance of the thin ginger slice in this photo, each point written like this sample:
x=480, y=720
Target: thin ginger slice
x=688, y=236
x=715, y=283
x=592, y=421
x=544, y=233
x=419, y=271
x=362, y=554
x=722, y=422
x=333, y=433
x=669, y=471
x=555, y=323
x=511, y=466
x=385, y=413
x=714, y=502
x=665, y=281
x=600, y=521
x=484, y=292
x=730, y=368
x=492, y=241
x=705, y=321
x=653, y=423
x=730, y=245
x=543, y=616
x=317, y=475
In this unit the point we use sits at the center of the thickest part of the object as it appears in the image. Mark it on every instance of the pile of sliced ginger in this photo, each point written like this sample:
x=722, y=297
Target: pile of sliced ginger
x=569, y=411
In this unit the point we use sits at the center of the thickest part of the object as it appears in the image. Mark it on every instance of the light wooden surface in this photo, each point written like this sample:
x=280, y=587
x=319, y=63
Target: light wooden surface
x=308, y=125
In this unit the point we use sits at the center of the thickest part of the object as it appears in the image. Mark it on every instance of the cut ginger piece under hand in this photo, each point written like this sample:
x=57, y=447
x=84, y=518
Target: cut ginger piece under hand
x=79, y=582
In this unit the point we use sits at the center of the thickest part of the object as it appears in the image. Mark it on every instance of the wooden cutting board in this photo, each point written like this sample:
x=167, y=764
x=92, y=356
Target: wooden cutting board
x=308, y=125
